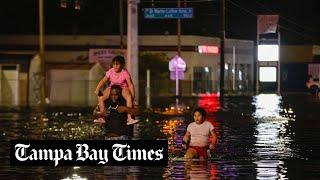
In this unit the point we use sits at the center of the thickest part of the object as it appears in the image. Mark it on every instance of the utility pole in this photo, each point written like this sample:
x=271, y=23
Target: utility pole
x=179, y=52
x=179, y=31
x=121, y=23
x=278, y=67
x=222, y=60
x=41, y=54
x=132, y=45
x=256, y=58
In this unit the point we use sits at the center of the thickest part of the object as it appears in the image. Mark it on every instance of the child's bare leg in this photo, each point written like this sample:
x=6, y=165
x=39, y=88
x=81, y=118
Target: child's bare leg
x=129, y=102
x=127, y=96
x=190, y=154
x=102, y=98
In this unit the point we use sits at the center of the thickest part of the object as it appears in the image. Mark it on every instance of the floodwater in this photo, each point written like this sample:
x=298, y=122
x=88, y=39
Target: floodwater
x=262, y=137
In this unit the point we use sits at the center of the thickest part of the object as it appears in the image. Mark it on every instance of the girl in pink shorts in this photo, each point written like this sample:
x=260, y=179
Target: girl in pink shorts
x=117, y=75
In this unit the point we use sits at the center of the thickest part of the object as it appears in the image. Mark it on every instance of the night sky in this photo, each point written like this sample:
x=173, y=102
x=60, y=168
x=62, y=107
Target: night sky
x=299, y=20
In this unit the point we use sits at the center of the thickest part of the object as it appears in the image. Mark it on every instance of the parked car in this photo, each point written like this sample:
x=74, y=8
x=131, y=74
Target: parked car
x=313, y=85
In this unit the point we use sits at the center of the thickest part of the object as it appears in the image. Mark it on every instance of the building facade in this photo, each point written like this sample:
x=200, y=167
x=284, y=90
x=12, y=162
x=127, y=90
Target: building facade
x=71, y=78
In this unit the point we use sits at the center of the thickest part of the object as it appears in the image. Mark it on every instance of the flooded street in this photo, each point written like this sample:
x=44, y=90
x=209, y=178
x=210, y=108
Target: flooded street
x=262, y=137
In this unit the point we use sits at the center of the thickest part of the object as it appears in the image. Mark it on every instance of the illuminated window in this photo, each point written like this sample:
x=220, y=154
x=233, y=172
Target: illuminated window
x=268, y=74
x=268, y=52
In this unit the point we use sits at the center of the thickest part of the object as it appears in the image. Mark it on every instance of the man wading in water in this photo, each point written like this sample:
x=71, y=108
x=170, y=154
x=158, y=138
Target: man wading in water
x=116, y=127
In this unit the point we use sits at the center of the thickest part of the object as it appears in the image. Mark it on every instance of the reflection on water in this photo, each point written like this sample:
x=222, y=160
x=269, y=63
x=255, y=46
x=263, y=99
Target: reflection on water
x=202, y=170
x=264, y=137
x=174, y=130
x=272, y=142
x=198, y=170
x=271, y=169
x=74, y=177
x=267, y=105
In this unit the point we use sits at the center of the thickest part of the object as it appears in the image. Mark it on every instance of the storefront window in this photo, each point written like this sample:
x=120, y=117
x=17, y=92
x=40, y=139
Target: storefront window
x=202, y=79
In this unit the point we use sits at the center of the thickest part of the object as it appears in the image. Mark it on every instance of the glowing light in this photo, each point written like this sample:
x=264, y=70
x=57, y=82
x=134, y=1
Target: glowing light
x=268, y=74
x=210, y=102
x=267, y=105
x=240, y=75
x=271, y=128
x=226, y=66
x=74, y=177
x=268, y=52
x=208, y=49
x=206, y=69
x=273, y=169
x=288, y=113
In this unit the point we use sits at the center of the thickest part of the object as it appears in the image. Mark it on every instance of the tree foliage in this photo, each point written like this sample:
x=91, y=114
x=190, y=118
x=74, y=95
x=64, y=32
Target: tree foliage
x=156, y=62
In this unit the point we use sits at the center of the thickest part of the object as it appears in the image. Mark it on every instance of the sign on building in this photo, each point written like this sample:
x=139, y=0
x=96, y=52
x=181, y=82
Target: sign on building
x=104, y=56
x=267, y=24
x=268, y=62
x=205, y=49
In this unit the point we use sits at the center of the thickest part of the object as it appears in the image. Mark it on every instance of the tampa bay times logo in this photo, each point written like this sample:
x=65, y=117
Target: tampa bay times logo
x=77, y=153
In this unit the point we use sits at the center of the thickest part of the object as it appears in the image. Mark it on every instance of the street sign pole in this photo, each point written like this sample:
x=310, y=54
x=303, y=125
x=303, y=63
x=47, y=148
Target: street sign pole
x=148, y=104
x=177, y=66
x=179, y=54
x=177, y=87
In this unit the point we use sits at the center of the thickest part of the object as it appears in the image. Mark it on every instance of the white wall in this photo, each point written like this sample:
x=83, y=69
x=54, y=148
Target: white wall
x=69, y=87
x=9, y=86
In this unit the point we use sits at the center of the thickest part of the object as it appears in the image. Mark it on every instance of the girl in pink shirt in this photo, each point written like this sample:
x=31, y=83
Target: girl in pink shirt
x=117, y=75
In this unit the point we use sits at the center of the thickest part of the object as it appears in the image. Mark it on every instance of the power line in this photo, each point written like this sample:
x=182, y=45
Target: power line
x=244, y=9
x=287, y=19
x=281, y=26
x=301, y=34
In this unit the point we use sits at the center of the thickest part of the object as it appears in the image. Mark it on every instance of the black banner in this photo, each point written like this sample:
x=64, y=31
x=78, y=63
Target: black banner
x=88, y=153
